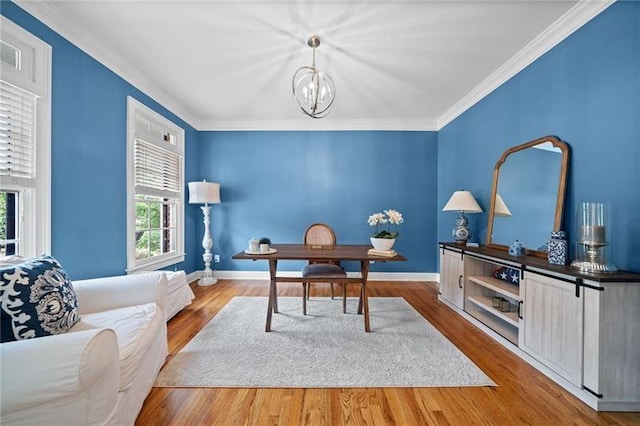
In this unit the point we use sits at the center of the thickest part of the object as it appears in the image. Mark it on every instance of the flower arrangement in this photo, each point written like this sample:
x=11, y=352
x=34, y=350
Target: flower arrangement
x=382, y=222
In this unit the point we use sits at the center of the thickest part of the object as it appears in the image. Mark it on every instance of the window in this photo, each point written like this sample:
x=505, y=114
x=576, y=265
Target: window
x=155, y=189
x=9, y=223
x=25, y=179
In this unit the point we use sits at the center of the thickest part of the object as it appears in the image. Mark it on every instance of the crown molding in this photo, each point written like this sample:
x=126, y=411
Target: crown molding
x=321, y=124
x=567, y=24
x=48, y=13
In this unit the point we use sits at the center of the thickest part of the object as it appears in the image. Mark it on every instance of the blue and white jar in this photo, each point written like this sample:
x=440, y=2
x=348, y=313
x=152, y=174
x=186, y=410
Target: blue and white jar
x=517, y=248
x=558, y=248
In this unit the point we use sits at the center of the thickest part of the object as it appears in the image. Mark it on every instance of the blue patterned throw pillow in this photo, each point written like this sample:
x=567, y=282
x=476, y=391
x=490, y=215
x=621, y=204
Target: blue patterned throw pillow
x=37, y=299
x=510, y=275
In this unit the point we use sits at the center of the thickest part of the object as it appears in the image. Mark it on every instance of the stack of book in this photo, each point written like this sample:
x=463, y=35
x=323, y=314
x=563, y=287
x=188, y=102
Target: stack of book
x=385, y=253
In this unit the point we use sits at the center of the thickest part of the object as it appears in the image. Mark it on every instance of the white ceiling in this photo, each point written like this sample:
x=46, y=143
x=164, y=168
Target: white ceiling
x=396, y=64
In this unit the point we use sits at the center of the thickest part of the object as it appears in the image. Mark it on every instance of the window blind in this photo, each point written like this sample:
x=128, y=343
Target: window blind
x=17, y=136
x=157, y=170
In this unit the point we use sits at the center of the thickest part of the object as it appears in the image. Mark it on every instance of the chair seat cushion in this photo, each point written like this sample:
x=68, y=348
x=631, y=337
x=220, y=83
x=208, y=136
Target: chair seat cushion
x=323, y=270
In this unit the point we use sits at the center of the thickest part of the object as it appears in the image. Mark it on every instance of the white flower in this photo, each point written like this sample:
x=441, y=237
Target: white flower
x=390, y=216
x=395, y=217
x=376, y=219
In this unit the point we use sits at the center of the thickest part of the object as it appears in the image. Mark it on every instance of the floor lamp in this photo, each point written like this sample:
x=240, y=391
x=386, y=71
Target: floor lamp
x=205, y=193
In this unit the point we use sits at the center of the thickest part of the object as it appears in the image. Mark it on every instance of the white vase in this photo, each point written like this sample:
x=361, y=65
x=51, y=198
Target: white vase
x=382, y=243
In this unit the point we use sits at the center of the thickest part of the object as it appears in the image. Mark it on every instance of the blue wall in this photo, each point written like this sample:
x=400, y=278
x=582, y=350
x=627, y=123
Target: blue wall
x=275, y=184
x=88, y=137
x=586, y=91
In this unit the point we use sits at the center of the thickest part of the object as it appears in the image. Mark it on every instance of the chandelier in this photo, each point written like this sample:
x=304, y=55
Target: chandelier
x=313, y=90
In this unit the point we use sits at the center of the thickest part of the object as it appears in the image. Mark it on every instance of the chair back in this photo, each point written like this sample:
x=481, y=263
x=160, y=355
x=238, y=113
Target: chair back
x=319, y=235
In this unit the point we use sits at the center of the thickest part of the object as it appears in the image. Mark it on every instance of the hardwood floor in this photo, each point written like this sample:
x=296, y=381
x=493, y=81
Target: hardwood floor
x=523, y=395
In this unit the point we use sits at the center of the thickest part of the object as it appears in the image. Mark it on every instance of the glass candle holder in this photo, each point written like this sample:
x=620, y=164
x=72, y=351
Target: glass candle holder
x=593, y=220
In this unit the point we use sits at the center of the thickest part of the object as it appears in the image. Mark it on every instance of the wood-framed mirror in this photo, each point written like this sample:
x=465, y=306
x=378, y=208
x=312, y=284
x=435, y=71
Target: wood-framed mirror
x=527, y=195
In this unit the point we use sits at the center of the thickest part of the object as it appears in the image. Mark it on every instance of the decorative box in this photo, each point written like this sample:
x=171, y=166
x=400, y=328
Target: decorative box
x=502, y=304
x=558, y=249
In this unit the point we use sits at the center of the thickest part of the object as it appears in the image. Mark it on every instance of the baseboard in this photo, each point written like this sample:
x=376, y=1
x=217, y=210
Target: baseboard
x=619, y=406
x=373, y=276
x=194, y=276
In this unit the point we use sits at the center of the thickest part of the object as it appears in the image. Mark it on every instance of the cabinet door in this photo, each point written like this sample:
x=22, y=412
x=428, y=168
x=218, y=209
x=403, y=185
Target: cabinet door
x=451, y=277
x=552, y=325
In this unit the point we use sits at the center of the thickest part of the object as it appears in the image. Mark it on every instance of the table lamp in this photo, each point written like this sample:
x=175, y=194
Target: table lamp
x=205, y=193
x=462, y=201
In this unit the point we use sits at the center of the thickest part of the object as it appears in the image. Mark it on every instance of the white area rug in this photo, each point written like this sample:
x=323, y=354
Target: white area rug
x=325, y=349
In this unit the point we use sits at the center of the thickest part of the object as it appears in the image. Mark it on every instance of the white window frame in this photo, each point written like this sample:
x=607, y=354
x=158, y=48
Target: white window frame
x=34, y=75
x=137, y=109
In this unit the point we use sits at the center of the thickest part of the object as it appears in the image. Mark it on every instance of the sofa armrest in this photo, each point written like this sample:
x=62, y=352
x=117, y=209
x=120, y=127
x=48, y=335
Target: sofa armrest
x=102, y=294
x=69, y=378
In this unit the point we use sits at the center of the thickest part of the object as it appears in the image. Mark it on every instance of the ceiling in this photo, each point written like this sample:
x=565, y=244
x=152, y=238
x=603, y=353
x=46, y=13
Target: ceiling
x=397, y=65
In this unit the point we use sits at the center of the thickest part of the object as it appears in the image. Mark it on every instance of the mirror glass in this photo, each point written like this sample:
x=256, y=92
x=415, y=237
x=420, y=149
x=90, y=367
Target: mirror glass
x=527, y=197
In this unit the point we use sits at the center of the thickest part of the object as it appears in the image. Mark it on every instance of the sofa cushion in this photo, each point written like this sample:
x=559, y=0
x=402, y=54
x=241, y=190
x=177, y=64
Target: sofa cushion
x=175, y=280
x=11, y=260
x=37, y=299
x=136, y=328
x=179, y=294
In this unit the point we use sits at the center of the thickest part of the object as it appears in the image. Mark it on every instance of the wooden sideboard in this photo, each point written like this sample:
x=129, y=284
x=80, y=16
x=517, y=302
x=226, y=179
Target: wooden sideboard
x=580, y=330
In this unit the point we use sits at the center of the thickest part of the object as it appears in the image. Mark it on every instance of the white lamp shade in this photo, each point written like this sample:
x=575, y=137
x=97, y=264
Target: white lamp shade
x=204, y=192
x=501, y=209
x=462, y=201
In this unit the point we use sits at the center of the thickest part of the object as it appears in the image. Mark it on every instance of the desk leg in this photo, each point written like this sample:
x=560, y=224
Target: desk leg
x=273, y=293
x=364, y=302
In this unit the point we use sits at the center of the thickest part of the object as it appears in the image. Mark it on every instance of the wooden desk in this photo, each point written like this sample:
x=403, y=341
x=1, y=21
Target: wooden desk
x=305, y=252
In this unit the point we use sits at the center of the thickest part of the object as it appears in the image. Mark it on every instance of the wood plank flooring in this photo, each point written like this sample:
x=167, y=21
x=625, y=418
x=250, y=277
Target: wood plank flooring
x=523, y=395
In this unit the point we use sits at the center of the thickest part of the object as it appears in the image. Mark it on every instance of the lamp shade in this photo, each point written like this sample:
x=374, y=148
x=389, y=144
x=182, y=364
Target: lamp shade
x=501, y=209
x=204, y=192
x=462, y=201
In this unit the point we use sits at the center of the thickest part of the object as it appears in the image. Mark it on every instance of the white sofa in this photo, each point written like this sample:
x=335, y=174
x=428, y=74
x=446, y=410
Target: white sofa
x=179, y=294
x=101, y=371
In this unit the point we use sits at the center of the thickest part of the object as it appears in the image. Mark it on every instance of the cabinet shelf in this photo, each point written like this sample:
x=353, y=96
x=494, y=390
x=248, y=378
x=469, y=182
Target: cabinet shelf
x=501, y=287
x=486, y=303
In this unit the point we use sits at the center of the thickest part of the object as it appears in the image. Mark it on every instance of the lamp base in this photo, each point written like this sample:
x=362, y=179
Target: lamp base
x=460, y=232
x=204, y=281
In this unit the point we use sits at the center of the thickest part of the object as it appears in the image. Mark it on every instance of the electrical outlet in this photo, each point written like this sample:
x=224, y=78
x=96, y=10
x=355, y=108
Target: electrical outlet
x=216, y=258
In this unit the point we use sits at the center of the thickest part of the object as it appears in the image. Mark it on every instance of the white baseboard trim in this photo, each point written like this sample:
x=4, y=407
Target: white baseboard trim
x=194, y=276
x=373, y=276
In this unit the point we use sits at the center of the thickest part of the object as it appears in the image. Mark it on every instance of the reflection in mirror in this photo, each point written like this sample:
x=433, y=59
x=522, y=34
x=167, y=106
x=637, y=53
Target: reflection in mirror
x=500, y=208
x=528, y=194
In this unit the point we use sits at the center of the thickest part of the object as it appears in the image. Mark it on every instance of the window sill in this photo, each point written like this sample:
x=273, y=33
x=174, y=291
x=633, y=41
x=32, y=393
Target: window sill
x=155, y=264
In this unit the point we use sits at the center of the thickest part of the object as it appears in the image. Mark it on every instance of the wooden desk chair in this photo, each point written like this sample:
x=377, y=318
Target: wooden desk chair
x=321, y=237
